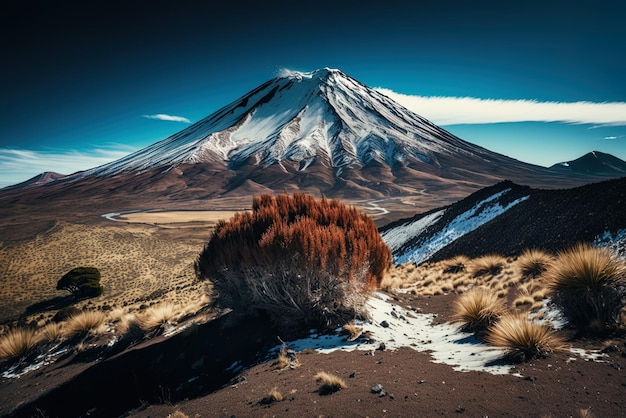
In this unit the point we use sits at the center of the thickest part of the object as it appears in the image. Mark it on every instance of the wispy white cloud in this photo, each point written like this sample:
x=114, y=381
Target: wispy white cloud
x=613, y=137
x=171, y=118
x=17, y=165
x=470, y=110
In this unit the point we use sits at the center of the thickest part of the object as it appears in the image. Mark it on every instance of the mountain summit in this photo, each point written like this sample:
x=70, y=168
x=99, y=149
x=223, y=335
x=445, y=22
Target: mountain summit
x=320, y=132
x=300, y=118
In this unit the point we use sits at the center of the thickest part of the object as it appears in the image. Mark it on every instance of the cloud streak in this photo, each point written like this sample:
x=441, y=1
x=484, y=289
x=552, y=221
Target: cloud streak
x=470, y=110
x=170, y=118
x=18, y=165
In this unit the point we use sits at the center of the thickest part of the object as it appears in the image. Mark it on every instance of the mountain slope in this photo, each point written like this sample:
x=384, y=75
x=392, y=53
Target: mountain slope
x=507, y=218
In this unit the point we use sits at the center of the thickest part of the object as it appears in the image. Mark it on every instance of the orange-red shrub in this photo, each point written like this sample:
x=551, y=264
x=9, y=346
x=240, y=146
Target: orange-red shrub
x=295, y=258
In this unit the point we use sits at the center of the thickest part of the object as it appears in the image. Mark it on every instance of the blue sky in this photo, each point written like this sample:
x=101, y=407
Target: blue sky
x=84, y=84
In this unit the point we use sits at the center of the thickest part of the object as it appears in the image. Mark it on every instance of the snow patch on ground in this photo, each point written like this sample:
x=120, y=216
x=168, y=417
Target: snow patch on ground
x=483, y=212
x=18, y=370
x=397, y=327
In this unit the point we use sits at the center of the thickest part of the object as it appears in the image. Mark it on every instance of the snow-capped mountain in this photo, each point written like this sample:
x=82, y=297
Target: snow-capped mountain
x=300, y=118
x=320, y=132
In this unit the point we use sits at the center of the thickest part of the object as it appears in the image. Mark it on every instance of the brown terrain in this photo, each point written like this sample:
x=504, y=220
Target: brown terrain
x=190, y=372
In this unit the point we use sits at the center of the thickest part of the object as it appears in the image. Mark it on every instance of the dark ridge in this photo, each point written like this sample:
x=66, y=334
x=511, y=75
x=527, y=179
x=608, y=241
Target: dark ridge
x=453, y=211
x=552, y=220
x=595, y=162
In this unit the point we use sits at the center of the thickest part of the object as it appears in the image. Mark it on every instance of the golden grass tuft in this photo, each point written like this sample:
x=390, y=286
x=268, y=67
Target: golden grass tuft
x=18, y=343
x=533, y=263
x=329, y=383
x=456, y=264
x=85, y=322
x=478, y=309
x=157, y=317
x=282, y=361
x=588, y=283
x=522, y=338
x=178, y=414
x=272, y=396
x=54, y=331
x=586, y=413
x=488, y=264
x=352, y=331
x=584, y=267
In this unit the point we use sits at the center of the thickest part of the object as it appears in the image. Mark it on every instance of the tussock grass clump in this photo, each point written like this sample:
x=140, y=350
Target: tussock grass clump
x=85, y=322
x=329, y=383
x=456, y=264
x=352, y=331
x=54, y=331
x=478, y=309
x=18, y=343
x=272, y=396
x=489, y=264
x=522, y=338
x=299, y=261
x=178, y=414
x=588, y=284
x=158, y=317
x=533, y=263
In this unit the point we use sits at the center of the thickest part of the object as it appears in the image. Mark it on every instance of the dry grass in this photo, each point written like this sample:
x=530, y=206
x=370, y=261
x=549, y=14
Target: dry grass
x=282, y=361
x=489, y=264
x=329, y=383
x=352, y=331
x=586, y=413
x=478, y=309
x=137, y=264
x=533, y=263
x=585, y=267
x=522, y=338
x=286, y=358
x=85, y=322
x=158, y=317
x=588, y=284
x=18, y=343
x=456, y=264
x=53, y=331
x=272, y=396
x=178, y=414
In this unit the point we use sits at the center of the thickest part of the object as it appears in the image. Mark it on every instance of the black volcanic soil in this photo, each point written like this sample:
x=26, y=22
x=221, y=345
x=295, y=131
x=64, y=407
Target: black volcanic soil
x=143, y=382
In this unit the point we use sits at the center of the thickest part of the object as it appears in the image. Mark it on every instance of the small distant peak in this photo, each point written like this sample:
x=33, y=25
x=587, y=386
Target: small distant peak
x=321, y=73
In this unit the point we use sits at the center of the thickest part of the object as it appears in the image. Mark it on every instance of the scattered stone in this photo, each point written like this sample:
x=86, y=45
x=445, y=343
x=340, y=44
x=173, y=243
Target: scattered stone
x=391, y=396
x=377, y=388
x=530, y=378
x=352, y=375
x=384, y=324
x=421, y=381
x=382, y=347
x=394, y=314
x=460, y=410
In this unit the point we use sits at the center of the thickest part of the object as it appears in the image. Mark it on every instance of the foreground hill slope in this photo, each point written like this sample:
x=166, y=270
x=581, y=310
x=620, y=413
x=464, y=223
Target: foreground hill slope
x=506, y=218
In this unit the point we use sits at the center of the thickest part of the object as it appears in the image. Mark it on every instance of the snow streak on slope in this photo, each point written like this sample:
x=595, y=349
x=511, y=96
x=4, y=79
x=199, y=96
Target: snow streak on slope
x=396, y=237
x=300, y=117
x=481, y=213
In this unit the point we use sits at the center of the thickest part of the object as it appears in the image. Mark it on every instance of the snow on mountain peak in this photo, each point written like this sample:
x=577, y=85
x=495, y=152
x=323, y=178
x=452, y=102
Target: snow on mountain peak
x=320, y=116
